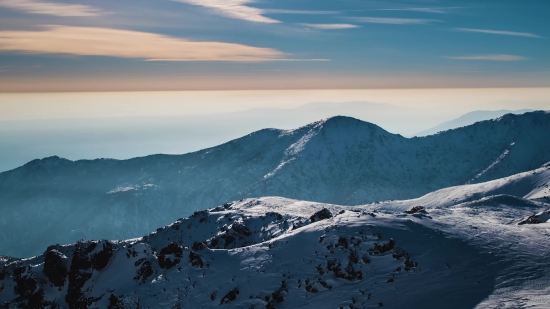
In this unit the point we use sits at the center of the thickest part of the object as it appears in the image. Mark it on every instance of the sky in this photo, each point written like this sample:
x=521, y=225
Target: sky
x=142, y=45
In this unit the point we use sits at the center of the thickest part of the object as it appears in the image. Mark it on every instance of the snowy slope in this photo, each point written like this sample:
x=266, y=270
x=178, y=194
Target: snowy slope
x=279, y=253
x=339, y=160
x=528, y=187
x=469, y=119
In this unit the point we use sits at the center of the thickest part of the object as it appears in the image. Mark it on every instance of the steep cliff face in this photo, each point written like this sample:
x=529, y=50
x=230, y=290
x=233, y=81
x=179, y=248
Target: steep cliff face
x=339, y=160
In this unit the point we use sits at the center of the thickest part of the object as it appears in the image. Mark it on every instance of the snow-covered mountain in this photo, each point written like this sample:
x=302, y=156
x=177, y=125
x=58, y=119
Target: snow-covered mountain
x=471, y=246
x=339, y=160
x=468, y=119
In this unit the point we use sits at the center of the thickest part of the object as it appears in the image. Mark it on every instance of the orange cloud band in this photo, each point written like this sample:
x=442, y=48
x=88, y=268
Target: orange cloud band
x=91, y=41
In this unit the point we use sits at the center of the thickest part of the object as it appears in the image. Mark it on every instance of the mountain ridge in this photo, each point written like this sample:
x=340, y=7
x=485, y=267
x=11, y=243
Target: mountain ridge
x=340, y=160
x=469, y=119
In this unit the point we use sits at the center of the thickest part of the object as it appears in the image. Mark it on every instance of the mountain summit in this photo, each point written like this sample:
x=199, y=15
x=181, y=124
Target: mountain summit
x=338, y=160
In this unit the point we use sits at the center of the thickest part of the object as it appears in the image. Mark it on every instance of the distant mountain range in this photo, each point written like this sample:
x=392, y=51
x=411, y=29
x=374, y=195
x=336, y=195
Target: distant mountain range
x=339, y=160
x=472, y=246
x=468, y=119
x=129, y=137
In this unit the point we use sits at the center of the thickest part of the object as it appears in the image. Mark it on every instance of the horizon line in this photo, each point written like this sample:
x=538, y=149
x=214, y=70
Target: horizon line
x=274, y=89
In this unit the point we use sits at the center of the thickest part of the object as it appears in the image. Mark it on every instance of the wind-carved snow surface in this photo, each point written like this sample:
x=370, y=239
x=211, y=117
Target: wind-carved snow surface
x=339, y=160
x=474, y=249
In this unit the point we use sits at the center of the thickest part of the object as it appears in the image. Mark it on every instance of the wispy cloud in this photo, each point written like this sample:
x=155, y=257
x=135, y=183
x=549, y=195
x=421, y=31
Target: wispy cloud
x=513, y=33
x=51, y=8
x=234, y=9
x=302, y=12
x=424, y=10
x=331, y=26
x=394, y=21
x=501, y=57
x=89, y=41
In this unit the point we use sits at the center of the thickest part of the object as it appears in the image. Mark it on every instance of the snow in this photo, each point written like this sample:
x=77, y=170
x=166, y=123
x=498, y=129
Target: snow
x=466, y=250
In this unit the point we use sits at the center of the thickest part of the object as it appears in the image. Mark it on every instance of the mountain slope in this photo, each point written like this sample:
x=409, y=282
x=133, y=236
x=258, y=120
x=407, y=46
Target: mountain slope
x=128, y=137
x=340, y=160
x=469, y=119
x=533, y=186
x=278, y=253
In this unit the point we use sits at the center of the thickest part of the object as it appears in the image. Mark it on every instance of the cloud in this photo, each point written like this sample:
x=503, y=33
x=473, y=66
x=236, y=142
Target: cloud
x=501, y=57
x=394, y=21
x=278, y=11
x=233, y=9
x=524, y=34
x=89, y=41
x=331, y=26
x=424, y=10
x=50, y=8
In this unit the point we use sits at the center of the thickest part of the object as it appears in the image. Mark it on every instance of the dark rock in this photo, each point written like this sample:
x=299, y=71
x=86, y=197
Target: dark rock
x=241, y=229
x=354, y=257
x=381, y=249
x=81, y=270
x=342, y=242
x=54, y=268
x=145, y=270
x=349, y=273
x=229, y=297
x=170, y=255
x=278, y=295
x=228, y=240
x=200, y=214
x=366, y=259
x=325, y=284
x=26, y=284
x=31, y=296
x=276, y=215
x=410, y=263
x=199, y=245
x=399, y=253
x=223, y=241
x=3, y=273
x=102, y=258
x=416, y=210
x=195, y=259
x=322, y=214
x=215, y=242
x=115, y=303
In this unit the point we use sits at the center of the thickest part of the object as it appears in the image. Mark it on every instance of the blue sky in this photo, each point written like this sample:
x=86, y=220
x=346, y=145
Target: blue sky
x=240, y=44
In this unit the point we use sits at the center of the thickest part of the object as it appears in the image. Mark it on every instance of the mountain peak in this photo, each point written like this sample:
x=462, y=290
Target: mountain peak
x=51, y=160
x=349, y=123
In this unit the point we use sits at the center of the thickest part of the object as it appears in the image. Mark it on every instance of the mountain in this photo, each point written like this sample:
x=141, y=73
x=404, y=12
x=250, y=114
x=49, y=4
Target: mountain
x=468, y=119
x=128, y=137
x=339, y=160
x=479, y=249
